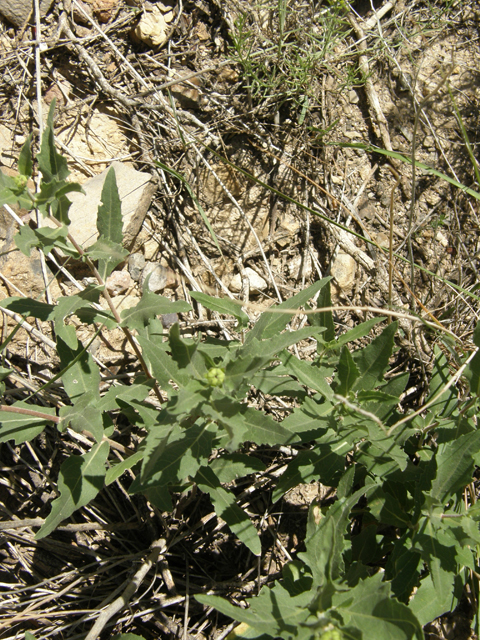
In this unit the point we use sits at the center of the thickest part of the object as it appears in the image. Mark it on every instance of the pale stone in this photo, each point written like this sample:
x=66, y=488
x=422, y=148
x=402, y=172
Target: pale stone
x=6, y=146
x=150, y=249
x=159, y=277
x=432, y=198
x=135, y=190
x=19, y=11
x=290, y=224
x=202, y=32
x=343, y=270
x=26, y=274
x=441, y=238
x=366, y=168
x=168, y=319
x=152, y=28
x=382, y=239
x=227, y=74
x=353, y=96
x=118, y=282
x=136, y=263
x=257, y=283
x=298, y=267
x=283, y=241
x=126, y=302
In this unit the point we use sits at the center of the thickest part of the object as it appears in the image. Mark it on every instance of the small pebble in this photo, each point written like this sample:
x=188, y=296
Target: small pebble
x=157, y=277
x=136, y=263
x=118, y=282
x=168, y=319
x=353, y=96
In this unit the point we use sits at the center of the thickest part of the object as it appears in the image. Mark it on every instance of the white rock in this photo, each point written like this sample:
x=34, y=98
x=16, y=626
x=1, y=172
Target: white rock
x=383, y=239
x=126, y=302
x=158, y=277
x=135, y=189
x=21, y=271
x=353, y=97
x=257, y=283
x=343, y=270
x=103, y=140
x=441, y=238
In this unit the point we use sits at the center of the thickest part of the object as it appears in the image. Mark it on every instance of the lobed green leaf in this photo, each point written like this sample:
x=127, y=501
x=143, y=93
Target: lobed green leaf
x=51, y=164
x=80, y=373
x=271, y=323
x=172, y=454
x=29, y=308
x=150, y=306
x=325, y=318
x=227, y=306
x=20, y=427
x=370, y=608
x=372, y=361
x=79, y=481
x=25, y=159
x=347, y=374
x=84, y=415
x=109, y=214
x=226, y=507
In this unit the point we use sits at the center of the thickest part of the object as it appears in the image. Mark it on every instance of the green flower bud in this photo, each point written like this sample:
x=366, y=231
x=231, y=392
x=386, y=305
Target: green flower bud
x=332, y=634
x=20, y=181
x=215, y=377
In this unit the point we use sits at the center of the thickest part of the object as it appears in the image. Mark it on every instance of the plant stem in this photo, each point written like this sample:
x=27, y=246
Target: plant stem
x=114, y=311
x=30, y=412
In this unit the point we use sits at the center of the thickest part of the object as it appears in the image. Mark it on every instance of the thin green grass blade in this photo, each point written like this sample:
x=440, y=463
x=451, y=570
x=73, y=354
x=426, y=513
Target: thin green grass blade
x=418, y=165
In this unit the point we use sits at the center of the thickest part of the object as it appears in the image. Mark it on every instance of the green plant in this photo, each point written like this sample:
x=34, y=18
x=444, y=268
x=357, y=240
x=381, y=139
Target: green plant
x=282, y=60
x=398, y=544
x=395, y=549
x=439, y=222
